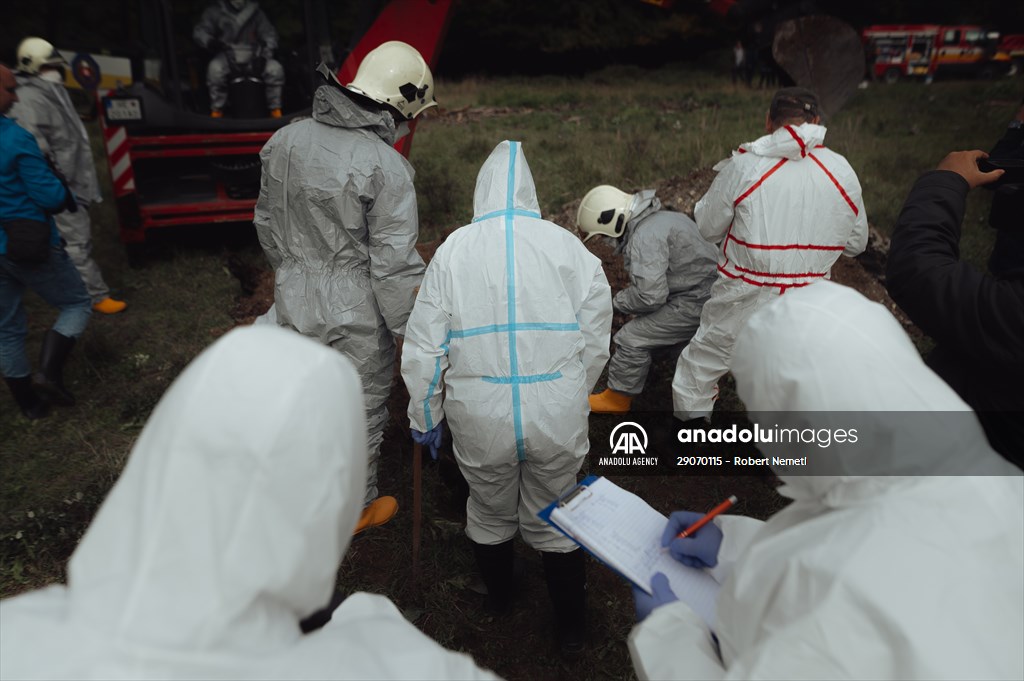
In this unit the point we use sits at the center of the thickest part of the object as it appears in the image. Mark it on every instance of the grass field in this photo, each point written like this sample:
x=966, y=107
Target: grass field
x=622, y=126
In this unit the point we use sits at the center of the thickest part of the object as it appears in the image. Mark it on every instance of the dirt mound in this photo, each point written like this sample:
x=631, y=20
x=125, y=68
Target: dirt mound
x=680, y=193
x=257, y=291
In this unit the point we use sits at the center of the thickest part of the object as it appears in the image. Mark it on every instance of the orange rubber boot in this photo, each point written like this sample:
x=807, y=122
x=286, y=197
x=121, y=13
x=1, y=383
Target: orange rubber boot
x=216, y=113
x=610, y=402
x=380, y=510
x=275, y=113
x=110, y=306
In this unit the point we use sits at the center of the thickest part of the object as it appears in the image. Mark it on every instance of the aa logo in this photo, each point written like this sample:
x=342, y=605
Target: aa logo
x=628, y=438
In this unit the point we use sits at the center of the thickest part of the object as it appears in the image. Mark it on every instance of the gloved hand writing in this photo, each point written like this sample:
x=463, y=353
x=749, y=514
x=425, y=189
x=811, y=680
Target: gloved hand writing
x=699, y=550
x=431, y=439
x=646, y=603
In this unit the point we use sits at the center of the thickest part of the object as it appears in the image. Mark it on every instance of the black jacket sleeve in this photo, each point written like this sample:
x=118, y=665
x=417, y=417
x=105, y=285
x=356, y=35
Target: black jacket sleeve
x=974, y=315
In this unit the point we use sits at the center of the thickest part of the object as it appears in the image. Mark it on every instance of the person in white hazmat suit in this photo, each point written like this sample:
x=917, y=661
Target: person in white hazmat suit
x=45, y=110
x=336, y=216
x=507, y=338
x=783, y=209
x=900, y=556
x=671, y=270
x=224, y=530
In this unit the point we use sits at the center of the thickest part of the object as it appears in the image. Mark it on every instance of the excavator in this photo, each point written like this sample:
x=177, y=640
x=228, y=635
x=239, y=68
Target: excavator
x=171, y=164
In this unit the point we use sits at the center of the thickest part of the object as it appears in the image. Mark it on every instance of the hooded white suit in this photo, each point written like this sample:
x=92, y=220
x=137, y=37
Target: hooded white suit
x=507, y=338
x=783, y=209
x=225, y=529
x=904, y=562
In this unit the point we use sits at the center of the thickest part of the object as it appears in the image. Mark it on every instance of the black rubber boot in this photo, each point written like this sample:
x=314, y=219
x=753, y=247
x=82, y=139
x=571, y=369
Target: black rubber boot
x=496, y=563
x=31, y=405
x=50, y=379
x=566, y=575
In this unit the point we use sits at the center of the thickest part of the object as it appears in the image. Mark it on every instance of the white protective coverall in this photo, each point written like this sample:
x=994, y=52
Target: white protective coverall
x=671, y=270
x=904, y=562
x=783, y=209
x=508, y=337
x=225, y=529
x=45, y=109
x=247, y=26
x=337, y=219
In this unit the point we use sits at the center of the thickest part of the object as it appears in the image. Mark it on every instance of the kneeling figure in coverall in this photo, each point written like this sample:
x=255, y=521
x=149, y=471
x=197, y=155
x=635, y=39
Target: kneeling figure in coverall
x=671, y=269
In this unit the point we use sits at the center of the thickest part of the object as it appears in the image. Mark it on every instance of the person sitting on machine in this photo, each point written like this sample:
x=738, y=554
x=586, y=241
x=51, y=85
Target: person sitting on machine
x=243, y=42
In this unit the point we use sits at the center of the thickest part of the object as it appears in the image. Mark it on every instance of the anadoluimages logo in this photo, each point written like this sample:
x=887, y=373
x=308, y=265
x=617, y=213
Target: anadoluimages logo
x=628, y=438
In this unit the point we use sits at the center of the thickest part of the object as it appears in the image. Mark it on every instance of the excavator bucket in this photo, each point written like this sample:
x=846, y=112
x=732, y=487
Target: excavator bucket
x=823, y=54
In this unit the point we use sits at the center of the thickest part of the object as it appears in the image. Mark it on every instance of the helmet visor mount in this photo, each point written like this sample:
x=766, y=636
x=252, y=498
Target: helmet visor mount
x=605, y=210
x=606, y=217
x=395, y=75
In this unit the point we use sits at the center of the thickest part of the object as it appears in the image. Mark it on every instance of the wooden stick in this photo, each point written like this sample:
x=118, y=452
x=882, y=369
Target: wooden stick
x=417, y=513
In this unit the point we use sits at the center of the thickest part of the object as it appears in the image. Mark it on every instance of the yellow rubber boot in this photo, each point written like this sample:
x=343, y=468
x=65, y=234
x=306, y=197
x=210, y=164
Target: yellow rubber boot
x=380, y=510
x=610, y=402
x=110, y=306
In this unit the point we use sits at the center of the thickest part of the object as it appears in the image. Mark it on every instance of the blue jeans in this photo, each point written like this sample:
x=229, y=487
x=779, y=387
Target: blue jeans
x=58, y=283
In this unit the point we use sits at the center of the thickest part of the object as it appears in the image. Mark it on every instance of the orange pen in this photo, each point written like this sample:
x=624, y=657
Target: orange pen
x=708, y=517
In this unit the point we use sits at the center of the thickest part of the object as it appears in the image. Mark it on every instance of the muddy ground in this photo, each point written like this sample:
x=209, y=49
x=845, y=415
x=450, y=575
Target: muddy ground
x=443, y=596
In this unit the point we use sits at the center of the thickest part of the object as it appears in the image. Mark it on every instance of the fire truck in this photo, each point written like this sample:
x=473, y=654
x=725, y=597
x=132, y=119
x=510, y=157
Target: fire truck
x=929, y=50
x=1012, y=48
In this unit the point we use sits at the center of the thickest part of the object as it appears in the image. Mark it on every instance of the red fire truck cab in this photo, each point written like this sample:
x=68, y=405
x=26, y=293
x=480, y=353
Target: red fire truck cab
x=929, y=50
x=1012, y=47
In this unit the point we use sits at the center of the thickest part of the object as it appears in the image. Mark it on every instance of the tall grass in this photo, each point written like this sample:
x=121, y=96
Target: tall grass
x=630, y=127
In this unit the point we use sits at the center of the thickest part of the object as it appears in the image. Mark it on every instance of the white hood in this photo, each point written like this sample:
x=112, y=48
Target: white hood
x=498, y=189
x=790, y=141
x=226, y=527
x=816, y=356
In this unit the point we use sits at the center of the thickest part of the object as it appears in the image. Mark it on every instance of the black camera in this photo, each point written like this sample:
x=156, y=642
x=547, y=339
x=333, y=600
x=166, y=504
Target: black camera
x=1008, y=198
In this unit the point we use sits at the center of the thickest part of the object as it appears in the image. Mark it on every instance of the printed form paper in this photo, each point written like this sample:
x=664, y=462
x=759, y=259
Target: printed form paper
x=624, y=532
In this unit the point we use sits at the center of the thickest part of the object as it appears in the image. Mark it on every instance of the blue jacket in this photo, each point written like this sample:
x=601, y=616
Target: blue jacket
x=28, y=188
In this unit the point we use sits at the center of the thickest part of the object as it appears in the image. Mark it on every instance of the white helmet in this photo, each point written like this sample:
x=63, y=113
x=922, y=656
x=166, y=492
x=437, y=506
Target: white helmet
x=604, y=210
x=395, y=74
x=35, y=53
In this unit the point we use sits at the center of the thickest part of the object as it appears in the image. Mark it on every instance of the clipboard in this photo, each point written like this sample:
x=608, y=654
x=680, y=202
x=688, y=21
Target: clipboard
x=621, y=531
x=580, y=491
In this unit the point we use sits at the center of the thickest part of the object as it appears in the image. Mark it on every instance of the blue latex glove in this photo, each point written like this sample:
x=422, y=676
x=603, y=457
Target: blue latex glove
x=699, y=550
x=646, y=603
x=431, y=438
